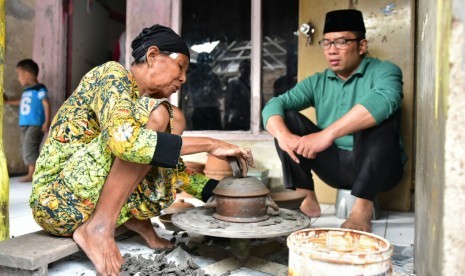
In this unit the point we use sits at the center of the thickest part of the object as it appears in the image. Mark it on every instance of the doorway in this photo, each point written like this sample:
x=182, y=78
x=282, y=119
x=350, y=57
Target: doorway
x=95, y=29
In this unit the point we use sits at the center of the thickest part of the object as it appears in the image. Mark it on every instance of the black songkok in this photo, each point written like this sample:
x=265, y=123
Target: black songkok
x=162, y=37
x=343, y=21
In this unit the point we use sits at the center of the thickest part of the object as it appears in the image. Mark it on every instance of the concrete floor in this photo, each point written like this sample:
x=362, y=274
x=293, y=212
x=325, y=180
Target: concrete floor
x=396, y=227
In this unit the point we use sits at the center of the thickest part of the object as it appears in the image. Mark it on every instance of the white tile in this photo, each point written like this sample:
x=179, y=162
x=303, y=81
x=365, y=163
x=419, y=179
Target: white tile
x=400, y=233
x=331, y=210
x=379, y=228
x=19, y=210
x=326, y=220
x=401, y=228
x=402, y=217
x=76, y=264
x=23, y=225
x=400, y=243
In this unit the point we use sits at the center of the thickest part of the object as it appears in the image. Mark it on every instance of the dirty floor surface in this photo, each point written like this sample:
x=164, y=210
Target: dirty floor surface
x=396, y=227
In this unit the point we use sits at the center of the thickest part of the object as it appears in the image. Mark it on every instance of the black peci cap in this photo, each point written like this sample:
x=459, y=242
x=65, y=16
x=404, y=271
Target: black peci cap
x=344, y=20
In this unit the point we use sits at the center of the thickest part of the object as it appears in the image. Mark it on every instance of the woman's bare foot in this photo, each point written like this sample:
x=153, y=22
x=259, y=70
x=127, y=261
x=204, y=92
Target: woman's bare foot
x=145, y=229
x=310, y=206
x=100, y=247
x=360, y=217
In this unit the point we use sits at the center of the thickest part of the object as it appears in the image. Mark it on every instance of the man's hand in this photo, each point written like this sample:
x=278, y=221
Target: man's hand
x=311, y=144
x=288, y=142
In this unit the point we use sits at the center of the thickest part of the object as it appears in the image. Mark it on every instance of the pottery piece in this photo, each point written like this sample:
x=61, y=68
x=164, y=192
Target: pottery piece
x=195, y=167
x=216, y=168
x=240, y=199
x=178, y=206
x=288, y=199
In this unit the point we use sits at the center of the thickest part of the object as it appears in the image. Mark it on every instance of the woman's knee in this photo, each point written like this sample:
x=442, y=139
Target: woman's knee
x=179, y=121
x=159, y=119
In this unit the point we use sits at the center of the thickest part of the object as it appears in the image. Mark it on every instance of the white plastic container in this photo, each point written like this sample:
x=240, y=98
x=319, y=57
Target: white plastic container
x=335, y=251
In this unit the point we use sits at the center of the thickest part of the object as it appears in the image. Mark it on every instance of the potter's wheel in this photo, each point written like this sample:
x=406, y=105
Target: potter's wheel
x=200, y=220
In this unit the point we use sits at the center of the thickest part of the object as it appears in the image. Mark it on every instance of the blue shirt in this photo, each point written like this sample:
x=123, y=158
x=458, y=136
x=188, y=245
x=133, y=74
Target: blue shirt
x=31, y=109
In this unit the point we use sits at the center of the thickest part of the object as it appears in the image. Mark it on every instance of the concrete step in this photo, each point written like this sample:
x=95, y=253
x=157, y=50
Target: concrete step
x=31, y=253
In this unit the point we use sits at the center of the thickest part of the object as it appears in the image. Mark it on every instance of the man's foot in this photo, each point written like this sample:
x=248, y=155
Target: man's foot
x=145, y=229
x=310, y=206
x=360, y=217
x=100, y=247
x=26, y=178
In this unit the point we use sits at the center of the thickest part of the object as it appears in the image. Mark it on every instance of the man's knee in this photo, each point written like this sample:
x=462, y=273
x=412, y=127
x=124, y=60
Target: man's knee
x=291, y=115
x=298, y=124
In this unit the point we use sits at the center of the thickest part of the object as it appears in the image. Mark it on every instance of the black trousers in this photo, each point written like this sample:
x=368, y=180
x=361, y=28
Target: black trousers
x=374, y=164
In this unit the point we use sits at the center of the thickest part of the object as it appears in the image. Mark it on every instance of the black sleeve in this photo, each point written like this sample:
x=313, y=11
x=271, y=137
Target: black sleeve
x=168, y=150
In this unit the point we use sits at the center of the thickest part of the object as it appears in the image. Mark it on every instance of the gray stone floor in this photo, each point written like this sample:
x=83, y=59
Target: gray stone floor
x=396, y=227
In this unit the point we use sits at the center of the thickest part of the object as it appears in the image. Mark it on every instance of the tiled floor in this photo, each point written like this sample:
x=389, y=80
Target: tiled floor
x=396, y=227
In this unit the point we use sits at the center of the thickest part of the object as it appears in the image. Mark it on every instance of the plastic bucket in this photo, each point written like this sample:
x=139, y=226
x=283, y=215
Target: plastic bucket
x=335, y=251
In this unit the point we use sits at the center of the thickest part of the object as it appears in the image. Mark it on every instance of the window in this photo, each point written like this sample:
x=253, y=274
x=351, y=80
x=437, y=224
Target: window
x=241, y=56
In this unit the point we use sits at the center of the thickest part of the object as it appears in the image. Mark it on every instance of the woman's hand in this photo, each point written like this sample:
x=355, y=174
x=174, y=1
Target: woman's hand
x=222, y=150
x=219, y=149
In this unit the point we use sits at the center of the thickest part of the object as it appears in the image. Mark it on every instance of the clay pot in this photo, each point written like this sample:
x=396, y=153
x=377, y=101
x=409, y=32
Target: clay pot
x=178, y=206
x=216, y=168
x=195, y=167
x=288, y=199
x=241, y=199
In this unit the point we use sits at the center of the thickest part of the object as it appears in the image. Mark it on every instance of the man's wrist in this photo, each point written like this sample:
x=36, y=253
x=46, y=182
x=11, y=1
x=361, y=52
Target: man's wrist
x=331, y=132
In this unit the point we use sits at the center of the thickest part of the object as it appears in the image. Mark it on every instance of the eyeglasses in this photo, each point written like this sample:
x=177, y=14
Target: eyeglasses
x=340, y=43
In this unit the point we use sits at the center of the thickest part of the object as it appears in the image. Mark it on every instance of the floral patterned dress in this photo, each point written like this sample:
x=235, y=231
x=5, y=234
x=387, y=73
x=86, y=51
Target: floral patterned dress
x=103, y=119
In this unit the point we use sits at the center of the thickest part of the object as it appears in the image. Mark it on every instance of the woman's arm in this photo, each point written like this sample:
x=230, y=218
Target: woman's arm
x=218, y=149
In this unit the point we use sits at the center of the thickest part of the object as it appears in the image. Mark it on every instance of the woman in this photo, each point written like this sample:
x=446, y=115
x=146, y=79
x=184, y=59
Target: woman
x=112, y=154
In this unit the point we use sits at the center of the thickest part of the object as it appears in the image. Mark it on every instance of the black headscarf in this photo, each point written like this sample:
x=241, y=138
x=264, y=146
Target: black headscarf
x=162, y=37
x=344, y=20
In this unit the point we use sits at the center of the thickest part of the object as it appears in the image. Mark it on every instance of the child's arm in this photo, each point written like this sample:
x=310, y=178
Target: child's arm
x=12, y=102
x=46, y=124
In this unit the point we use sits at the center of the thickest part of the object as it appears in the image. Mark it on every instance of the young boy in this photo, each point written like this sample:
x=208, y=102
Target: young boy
x=34, y=113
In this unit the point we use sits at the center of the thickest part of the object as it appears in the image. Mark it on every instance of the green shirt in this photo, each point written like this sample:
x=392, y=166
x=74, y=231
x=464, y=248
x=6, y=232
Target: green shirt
x=376, y=84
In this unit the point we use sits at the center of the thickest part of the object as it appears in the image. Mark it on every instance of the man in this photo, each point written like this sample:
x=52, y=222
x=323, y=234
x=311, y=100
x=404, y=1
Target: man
x=356, y=143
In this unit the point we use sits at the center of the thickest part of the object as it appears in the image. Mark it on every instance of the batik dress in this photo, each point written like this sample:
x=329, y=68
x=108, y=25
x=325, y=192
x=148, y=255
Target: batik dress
x=105, y=118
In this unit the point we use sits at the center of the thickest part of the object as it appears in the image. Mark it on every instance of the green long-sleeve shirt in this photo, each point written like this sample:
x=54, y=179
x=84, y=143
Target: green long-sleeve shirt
x=376, y=84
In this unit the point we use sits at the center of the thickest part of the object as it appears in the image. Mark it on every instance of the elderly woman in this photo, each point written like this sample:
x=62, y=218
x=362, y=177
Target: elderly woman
x=112, y=155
